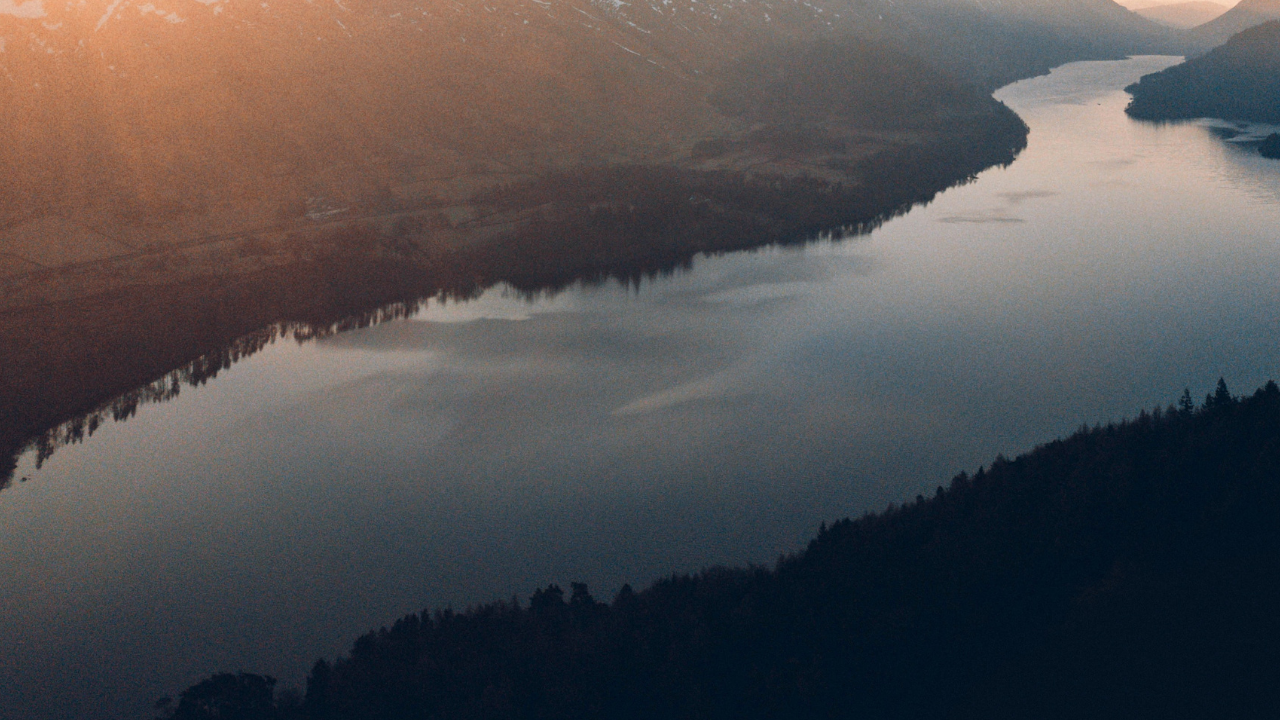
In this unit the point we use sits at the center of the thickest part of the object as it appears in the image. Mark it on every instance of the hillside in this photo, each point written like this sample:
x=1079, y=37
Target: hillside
x=146, y=123
x=1247, y=14
x=1129, y=571
x=1184, y=15
x=995, y=43
x=135, y=124
x=1238, y=81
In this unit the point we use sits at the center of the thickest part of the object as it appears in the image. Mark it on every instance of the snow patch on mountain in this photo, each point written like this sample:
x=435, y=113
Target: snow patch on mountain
x=107, y=16
x=30, y=9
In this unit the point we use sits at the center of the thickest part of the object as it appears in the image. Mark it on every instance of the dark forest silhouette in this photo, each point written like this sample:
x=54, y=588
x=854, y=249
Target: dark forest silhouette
x=1128, y=571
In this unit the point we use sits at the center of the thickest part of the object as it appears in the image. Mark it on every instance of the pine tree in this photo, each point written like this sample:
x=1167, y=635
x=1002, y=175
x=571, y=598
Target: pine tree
x=1221, y=396
x=1185, y=403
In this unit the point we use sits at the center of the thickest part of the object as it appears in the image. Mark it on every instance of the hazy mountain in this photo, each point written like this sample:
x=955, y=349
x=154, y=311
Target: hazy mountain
x=1247, y=14
x=1185, y=15
x=1136, y=5
x=1237, y=81
x=996, y=42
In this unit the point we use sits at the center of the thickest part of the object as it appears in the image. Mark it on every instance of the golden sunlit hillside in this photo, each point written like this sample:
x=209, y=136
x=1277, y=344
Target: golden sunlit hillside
x=158, y=123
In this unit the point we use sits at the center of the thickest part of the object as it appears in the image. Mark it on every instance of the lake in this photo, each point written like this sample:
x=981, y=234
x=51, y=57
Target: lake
x=614, y=433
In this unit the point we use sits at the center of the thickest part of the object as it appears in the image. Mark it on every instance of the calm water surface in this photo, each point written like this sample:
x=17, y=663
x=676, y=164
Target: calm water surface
x=612, y=435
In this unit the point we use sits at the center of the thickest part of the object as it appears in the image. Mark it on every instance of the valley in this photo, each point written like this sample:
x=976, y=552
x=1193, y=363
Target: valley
x=312, y=312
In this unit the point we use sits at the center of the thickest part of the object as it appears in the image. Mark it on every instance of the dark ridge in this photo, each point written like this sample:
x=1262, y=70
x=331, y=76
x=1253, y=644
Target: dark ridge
x=1128, y=571
x=1246, y=14
x=1184, y=15
x=1237, y=81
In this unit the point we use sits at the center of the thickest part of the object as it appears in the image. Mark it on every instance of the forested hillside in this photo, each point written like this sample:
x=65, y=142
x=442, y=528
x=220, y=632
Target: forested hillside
x=1238, y=81
x=1128, y=571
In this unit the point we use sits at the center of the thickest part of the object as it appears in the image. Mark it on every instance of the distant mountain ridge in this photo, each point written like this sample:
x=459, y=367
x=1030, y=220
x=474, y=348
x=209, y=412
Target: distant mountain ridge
x=1185, y=15
x=994, y=43
x=1247, y=14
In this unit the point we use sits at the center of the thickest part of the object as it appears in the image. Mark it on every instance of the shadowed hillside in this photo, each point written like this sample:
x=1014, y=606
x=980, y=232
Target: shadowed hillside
x=998, y=43
x=1129, y=571
x=1238, y=81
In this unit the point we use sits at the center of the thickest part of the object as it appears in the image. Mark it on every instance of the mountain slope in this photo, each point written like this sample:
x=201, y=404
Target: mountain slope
x=151, y=123
x=1237, y=81
x=163, y=113
x=1247, y=14
x=995, y=43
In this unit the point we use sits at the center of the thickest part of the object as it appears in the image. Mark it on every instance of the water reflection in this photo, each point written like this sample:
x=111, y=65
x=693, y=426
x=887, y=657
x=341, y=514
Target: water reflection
x=612, y=434
x=1243, y=167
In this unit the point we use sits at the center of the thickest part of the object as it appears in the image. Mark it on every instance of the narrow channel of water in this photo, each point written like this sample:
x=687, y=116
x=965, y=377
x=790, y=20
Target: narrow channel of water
x=612, y=435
